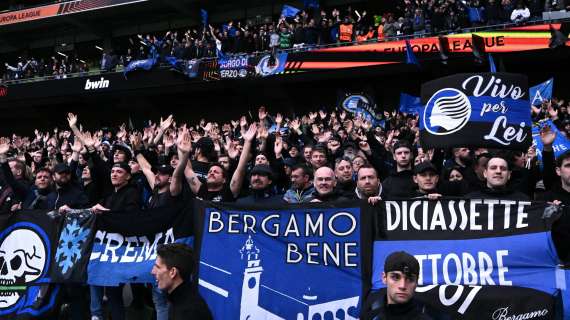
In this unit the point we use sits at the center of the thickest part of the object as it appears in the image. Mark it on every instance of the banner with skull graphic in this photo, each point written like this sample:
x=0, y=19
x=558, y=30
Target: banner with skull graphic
x=27, y=243
x=476, y=110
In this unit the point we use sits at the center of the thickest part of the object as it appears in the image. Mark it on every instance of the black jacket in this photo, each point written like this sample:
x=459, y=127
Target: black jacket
x=334, y=196
x=346, y=189
x=399, y=184
x=505, y=193
x=37, y=199
x=561, y=227
x=186, y=303
x=376, y=308
x=70, y=195
x=262, y=197
x=127, y=198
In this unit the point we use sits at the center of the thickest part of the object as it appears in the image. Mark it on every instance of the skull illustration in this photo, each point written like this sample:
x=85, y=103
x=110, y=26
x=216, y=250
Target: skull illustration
x=22, y=260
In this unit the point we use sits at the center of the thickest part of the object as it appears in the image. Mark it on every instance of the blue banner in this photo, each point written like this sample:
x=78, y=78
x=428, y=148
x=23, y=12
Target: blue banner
x=541, y=92
x=124, y=252
x=560, y=145
x=117, y=259
x=410, y=104
x=470, y=242
x=520, y=260
x=234, y=67
x=281, y=264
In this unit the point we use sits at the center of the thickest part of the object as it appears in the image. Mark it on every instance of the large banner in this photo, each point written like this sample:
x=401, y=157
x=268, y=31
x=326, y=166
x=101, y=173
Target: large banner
x=27, y=244
x=290, y=263
x=474, y=243
x=124, y=246
x=480, y=110
x=479, y=259
x=235, y=67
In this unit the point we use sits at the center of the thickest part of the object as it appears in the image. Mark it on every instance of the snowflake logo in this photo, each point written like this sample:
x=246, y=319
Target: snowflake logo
x=69, y=247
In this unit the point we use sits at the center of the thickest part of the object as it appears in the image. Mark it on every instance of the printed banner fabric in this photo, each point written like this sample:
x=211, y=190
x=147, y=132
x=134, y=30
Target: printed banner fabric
x=270, y=263
x=124, y=245
x=471, y=243
x=487, y=110
x=27, y=243
x=541, y=92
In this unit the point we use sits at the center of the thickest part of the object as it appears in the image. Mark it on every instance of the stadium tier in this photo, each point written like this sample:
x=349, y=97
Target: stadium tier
x=306, y=160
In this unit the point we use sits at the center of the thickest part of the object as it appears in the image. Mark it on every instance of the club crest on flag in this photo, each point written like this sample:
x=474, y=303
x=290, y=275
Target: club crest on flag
x=448, y=109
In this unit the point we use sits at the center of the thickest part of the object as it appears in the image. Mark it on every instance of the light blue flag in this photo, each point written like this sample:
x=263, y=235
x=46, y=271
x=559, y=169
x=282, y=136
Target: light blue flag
x=541, y=92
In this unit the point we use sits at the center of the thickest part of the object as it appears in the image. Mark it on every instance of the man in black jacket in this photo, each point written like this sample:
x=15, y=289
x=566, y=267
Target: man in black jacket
x=497, y=174
x=173, y=270
x=401, y=271
x=125, y=197
x=400, y=183
x=66, y=194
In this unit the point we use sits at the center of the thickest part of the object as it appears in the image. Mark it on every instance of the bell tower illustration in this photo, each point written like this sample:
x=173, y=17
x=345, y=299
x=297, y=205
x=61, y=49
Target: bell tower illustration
x=251, y=277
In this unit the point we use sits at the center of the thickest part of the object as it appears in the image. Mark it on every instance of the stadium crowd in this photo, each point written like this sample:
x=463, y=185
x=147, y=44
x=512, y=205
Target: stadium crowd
x=323, y=156
x=306, y=28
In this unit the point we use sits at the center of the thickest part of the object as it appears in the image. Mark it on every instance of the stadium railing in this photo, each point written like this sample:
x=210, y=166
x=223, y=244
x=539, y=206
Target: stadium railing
x=311, y=47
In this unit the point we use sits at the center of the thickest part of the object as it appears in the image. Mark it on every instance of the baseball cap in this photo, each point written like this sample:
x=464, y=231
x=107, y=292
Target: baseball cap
x=123, y=165
x=262, y=169
x=165, y=169
x=402, y=261
x=124, y=148
x=61, y=167
x=425, y=166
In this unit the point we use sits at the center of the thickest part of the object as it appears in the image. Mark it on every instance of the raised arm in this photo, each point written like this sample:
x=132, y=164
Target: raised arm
x=184, y=144
x=239, y=173
x=146, y=169
x=164, y=124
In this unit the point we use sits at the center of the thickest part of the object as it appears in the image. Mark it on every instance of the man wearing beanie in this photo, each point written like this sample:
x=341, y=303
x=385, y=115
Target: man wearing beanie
x=396, y=301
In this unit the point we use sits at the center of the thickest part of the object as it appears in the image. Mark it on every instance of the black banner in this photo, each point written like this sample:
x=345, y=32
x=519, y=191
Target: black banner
x=480, y=110
x=479, y=258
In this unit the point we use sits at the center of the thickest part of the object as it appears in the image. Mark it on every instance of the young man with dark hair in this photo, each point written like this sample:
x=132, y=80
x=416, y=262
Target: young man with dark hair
x=318, y=157
x=401, y=272
x=216, y=187
x=173, y=270
x=400, y=183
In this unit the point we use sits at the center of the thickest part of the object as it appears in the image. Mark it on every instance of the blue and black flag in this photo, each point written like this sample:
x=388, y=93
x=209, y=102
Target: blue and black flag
x=478, y=110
